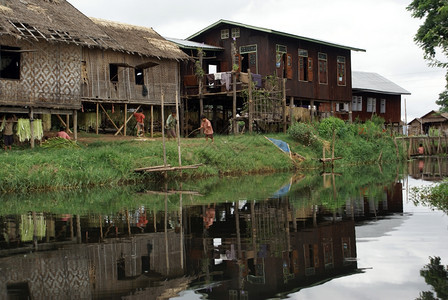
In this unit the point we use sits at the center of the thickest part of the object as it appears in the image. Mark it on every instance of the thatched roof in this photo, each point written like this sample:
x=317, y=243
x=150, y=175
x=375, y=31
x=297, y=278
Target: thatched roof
x=143, y=40
x=59, y=21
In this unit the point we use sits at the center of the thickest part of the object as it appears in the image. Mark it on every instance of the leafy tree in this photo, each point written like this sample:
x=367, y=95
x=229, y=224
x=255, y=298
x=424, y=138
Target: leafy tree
x=432, y=36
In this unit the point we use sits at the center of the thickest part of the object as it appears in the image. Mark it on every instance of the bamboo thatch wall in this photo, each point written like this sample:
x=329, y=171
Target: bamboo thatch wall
x=161, y=76
x=49, y=76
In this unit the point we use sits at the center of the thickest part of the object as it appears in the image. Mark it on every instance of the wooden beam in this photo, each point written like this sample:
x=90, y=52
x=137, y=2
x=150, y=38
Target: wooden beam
x=63, y=123
x=126, y=121
x=110, y=119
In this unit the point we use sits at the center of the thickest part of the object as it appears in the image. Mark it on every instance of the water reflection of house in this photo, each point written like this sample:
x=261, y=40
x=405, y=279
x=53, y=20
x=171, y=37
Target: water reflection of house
x=277, y=254
x=117, y=267
x=430, y=168
x=371, y=204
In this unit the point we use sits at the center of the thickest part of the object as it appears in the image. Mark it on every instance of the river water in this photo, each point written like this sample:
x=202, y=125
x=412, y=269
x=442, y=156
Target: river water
x=353, y=234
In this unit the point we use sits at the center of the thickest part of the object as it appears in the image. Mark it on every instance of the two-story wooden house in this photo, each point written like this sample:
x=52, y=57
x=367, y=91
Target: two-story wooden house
x=56, y=61
x=317, y=73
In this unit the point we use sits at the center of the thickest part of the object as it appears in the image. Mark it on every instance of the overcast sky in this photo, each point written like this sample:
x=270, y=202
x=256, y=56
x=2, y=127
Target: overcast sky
x=384, y=28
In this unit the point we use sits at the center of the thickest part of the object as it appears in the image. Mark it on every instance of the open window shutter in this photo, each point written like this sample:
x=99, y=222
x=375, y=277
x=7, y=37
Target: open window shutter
x=253, y=62
x=345, y=106
x=289, y=66
x=310, y=69
x=301, y=68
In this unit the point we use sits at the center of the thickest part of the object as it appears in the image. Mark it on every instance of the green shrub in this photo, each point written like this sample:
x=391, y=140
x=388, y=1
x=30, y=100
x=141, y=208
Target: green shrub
x=328, y=125
x=304, y=133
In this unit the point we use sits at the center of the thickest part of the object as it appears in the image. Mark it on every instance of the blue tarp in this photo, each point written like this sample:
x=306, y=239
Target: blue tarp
x=281, y=144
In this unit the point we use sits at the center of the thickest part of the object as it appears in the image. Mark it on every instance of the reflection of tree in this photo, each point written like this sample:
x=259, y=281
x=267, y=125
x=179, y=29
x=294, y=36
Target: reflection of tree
x=436, y=275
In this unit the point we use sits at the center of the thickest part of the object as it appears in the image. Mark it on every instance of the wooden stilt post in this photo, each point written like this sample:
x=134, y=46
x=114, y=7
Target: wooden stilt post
x=125, y=118
x=32, y=127
x=291, y=109
x=234, y=124
x=75, y=124
x=251, y=104
x=67, y=122
x=97, y=117
x=152, y=121
x=285, y=125
x=312, y=110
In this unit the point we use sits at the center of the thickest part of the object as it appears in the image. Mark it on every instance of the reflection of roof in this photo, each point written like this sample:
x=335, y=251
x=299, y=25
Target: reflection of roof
x=193, y=45
x=373, y=82
x=272, y=32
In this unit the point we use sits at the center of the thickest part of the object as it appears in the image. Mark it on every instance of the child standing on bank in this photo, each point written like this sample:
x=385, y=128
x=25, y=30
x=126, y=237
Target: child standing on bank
x=208, y=129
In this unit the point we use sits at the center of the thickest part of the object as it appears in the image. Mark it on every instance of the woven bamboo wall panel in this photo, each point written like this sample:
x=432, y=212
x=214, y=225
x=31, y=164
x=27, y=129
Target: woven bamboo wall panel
x=50, y=76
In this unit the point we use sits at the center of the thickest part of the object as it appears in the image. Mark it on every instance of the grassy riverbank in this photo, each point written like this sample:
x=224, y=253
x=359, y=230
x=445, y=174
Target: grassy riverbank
x=110, y=161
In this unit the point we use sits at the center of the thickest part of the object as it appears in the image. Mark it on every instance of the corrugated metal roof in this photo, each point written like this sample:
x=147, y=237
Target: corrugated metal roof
x=193, y=45
x=274, y=32
x=373, y=82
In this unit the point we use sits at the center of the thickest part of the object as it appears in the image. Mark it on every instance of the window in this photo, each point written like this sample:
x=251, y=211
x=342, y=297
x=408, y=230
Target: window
x=371, y=105
x=383, y=106
x=356, y=103
x=249, y=58
x=139, y=78
x=341, y=106
x=224, y=34
x=341, y=70
x=10, y=62
x=113, y=72
x=323, y=68
x=280, y=60
x=305, y=66
x=235, y=32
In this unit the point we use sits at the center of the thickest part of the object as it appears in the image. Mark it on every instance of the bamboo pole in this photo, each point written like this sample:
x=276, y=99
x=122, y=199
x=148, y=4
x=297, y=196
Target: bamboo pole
x=179, y=153
x=163, y=130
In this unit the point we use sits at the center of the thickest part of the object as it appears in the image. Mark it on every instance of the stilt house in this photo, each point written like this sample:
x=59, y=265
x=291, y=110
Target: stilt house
x=314, y=75
x=56, y=61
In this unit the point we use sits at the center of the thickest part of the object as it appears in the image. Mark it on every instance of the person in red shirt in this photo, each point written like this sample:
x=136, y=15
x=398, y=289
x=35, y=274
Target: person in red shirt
x=140, y=117
x=208, y=129
x=63, y=134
